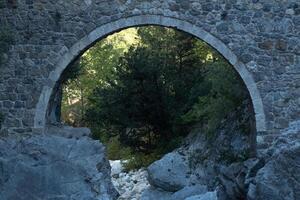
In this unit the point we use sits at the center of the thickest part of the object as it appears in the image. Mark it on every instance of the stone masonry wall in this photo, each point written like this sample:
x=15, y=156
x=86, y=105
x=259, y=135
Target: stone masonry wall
x=263, y=34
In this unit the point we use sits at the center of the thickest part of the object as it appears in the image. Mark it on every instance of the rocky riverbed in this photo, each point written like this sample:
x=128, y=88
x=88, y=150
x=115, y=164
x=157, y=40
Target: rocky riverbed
x=73, y=166
x=200, y=170
x=134, y=185
x=130, y=185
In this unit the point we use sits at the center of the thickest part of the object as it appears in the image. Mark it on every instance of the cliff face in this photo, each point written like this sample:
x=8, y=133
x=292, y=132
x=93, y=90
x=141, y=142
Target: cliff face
x=68, y=166
x=221, y=166
x=279, y=178
x=205, y=161
x=54, y=167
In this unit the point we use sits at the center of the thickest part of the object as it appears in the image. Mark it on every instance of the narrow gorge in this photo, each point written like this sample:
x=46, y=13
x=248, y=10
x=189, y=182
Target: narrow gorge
x=181, y=100
x=73, y=166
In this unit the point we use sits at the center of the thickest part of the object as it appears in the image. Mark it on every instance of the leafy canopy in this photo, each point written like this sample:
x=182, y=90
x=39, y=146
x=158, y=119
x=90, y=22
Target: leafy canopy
x=143, y=89
x=163, y=86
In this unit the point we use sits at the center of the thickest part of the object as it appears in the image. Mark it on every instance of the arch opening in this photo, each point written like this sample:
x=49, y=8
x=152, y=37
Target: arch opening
x=101, y=32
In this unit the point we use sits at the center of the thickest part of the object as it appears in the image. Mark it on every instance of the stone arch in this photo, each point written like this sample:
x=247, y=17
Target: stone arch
x=109, y=28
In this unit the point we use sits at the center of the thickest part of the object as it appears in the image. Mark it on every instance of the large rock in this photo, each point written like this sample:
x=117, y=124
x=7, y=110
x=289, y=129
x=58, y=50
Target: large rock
x=206, y=196
x=53, y=167
x=222, y=165
x=208, y=161
x=232, y=179
x=279, y=179
x=68, y=131
x=275, y=175
x=189, y=191
x=158, y=194
x=170, y=173
x=152, y=193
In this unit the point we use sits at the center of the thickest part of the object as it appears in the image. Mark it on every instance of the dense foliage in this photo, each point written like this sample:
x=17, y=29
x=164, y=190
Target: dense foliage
x=143, y=97
x=226, y=93
x=92, y=70
x=151, y=89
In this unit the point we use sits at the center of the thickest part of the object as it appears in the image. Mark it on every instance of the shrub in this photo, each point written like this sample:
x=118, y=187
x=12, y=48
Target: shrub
x=139, y=160
x=227, y=93
x=115, y=151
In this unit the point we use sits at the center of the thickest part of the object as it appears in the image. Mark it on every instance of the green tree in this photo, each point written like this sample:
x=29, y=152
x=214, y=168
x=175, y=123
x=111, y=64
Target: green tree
x=226, y=93
x=92, y=70
x=151, y=89
x=145, y=88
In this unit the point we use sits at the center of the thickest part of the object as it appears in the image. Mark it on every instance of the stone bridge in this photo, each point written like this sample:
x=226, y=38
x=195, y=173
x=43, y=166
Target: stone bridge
x=260, y=38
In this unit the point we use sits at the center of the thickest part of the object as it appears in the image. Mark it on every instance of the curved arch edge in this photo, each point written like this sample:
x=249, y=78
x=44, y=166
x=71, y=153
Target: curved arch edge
x=139, y=20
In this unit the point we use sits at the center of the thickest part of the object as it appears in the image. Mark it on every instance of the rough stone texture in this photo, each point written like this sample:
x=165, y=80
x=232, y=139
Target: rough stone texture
x=189, y=191
x=260, y=38
x=130, y=185
x=275, y=174
x=157, y=194
x=68, y=131
x=206, y=196
x=279, y=179
x=169, y=173
x=52, y=167
x=215, y=162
